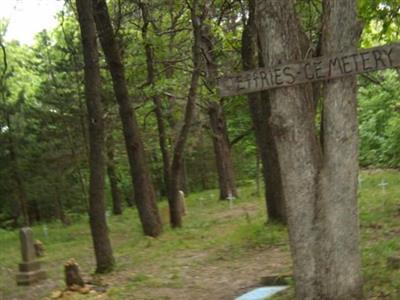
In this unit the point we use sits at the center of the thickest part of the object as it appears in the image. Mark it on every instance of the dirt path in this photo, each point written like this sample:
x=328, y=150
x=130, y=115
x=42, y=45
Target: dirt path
x=203, y=278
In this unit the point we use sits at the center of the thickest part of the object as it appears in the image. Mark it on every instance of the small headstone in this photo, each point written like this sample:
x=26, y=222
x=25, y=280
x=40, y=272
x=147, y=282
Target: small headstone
x=230, y=198
x=39, y=248
x=182, y=202
x=29, y=269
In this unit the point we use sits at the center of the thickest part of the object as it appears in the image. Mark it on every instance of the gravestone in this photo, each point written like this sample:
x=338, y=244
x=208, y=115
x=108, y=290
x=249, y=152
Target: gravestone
x=29, y=269
x=182, y=202
x=73, y=278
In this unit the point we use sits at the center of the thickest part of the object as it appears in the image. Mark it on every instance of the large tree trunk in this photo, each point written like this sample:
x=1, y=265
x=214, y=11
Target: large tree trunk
x=260, y=110
x=292, y=124
x=320, y=187
x=226, y=178
x=113, y=177
x=98, y=224
x=175, y=208
x=340, y=256
x=145, y=197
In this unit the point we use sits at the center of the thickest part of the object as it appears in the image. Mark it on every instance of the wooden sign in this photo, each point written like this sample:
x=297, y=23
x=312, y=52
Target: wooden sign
x=311, y=70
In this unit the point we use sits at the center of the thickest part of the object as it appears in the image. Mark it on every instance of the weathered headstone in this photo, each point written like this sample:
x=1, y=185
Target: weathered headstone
x=29, y=269
x=182, y=202
x=39, y=248
x=73, y=278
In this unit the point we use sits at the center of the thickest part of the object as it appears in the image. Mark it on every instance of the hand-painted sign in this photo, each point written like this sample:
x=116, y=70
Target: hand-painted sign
x=311, y=70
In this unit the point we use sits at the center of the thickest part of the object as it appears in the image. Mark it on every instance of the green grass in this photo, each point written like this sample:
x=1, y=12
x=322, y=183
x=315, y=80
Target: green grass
x=211, y=228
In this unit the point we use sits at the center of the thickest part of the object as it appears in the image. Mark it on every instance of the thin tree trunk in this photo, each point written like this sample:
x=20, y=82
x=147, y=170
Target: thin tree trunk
x=176, y=165
x=258, y=173
x=98, y=224
x=113, y=178
x=145, y=197
x=226, y=178
x=260, y=111
x=222, y=146
x=184, y=180
x=162, y=135
x=19, y=185
x=340, y=261
x=59, y=206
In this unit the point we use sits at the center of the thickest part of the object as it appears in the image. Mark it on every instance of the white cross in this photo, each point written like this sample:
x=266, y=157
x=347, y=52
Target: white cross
x=360, y=180
x=383, y=185
x=45, y=231
x=230, y=198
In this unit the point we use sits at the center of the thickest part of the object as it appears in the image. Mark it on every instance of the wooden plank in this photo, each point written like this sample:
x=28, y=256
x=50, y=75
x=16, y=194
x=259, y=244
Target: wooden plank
x=311, y=70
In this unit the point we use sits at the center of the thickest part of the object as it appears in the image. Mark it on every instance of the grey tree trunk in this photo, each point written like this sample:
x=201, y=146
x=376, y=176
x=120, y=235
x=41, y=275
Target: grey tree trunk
x=340, y=262
x=260, y=111
x=97, y=218
x=319, y=186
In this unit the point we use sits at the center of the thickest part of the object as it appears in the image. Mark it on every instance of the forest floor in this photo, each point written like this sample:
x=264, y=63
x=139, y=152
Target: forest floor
x=220, y=253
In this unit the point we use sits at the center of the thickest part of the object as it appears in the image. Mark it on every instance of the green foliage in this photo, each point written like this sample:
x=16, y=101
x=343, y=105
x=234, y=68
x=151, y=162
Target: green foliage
x=379, y=120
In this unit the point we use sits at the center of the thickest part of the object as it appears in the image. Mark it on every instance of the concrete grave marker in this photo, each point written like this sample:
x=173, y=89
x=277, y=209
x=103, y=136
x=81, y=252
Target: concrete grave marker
x=383, y=185
x=182, y=202
x=45, y=231
x=29, y=269
x=360, y=181
x=230, y=199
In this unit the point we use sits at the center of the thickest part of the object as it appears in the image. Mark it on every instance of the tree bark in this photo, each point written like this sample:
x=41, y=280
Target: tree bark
x=113, y=177
x=340, y=261
x=145, y=197
x=292, y=125
x=162, y=135
x=260, y=111
x=176, y=165
x=19, y=184
x=59, y=207
x=98, y=224
x=226, y=177
x=221, y=143
x=320, y=186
